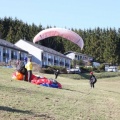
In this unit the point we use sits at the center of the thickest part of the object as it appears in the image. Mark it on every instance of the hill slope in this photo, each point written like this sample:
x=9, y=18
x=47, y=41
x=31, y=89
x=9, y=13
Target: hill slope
x=21, y=100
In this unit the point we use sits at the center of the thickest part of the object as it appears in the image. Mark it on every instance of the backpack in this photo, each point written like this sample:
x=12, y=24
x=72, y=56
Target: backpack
x=94, y=79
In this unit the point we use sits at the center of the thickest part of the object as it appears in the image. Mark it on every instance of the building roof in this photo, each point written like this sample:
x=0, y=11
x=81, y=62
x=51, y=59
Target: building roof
x=10, y=45
x=46, y=49
x=76, y=53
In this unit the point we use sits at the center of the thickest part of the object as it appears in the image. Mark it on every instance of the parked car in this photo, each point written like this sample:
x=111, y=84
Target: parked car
x=112, y=69
x=74, y=71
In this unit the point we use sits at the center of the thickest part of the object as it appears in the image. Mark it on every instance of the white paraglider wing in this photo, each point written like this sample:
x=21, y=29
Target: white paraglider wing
x=65, y=33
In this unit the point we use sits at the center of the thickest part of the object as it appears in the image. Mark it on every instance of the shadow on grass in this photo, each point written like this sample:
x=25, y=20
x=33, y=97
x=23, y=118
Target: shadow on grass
x=17, y=90
x=110, y=91
x=39, y=115
x=8, y=109
x=77, y=91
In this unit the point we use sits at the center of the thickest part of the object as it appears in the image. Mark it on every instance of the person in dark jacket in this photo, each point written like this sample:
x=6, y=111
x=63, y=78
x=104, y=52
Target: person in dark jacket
x=92, y=79
x=21, y=68
x=56, y=72
x=25, y=60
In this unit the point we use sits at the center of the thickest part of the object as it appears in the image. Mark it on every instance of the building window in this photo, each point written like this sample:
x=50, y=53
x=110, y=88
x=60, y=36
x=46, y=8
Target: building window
x=42, y=55
x=56, y=60
x=13, y=54
x=44, y=58
x=80, y=57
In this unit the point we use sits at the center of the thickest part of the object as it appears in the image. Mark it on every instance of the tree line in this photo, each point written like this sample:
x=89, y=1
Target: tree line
x=102, y=44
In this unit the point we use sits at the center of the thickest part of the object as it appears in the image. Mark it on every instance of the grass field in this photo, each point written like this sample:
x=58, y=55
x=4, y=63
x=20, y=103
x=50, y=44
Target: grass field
x=21, y=100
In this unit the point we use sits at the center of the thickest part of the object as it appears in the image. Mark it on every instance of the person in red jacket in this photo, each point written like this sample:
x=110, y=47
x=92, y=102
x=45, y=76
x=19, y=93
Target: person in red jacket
x=92, y=79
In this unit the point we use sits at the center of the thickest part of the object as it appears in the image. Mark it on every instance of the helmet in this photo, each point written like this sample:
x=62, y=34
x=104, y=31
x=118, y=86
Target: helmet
x=25, y=59
x=91, y=73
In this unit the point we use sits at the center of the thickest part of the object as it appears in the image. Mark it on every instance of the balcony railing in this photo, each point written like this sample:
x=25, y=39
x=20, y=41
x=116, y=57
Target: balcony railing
x=50, y=60
x=44, y=58
x=6, y=55
x=62, y=63
x=67, y=64
x=56, y=61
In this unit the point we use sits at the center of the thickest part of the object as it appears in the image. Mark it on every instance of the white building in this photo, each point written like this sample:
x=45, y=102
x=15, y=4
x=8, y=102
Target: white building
x=78, y=56
x=9, y=51
x=44, y=56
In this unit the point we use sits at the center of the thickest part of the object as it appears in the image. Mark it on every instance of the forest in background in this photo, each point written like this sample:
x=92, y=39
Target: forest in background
x=101, y=43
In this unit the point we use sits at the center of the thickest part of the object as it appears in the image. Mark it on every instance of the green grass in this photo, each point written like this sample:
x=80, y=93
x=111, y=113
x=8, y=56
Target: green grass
x=86, y=75
x=21, y=100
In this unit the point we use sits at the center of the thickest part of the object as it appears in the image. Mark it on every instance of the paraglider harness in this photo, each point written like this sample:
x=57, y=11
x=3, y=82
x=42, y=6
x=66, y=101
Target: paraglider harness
x=21, y=68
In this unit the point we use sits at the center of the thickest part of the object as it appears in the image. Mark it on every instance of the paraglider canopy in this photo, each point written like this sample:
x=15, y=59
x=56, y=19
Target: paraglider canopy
x=65, y=33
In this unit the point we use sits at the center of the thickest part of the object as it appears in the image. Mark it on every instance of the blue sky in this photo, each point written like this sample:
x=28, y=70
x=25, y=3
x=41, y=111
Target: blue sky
x=79, y=14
